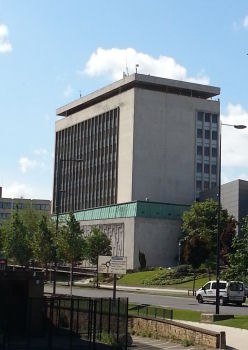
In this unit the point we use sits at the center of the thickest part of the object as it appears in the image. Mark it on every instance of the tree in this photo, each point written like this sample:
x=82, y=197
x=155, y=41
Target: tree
x=201, y=221
x=97, y=244
x=70, y=243
x=238, y=259
x=16, y=243
x=196, y=251
x=43, y=244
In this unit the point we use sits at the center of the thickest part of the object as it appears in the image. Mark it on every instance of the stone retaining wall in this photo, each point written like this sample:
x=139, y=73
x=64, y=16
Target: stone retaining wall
x=178, y=331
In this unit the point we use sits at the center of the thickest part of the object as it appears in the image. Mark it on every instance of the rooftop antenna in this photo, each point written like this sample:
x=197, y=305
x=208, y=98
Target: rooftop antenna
x=80, y=93
x=136, y=68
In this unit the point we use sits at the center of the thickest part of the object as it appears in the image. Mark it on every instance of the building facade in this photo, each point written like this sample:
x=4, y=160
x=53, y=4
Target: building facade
x=142, y=138
x=7, y=205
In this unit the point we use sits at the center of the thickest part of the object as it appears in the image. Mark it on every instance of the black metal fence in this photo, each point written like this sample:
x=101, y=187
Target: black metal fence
x=63, y=322
x=150, y=311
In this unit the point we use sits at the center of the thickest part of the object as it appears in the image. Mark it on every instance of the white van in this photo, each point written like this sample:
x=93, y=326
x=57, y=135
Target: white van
x=230, y=292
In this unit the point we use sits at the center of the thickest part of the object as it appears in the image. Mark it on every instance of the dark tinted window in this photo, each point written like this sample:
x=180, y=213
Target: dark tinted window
x=214, y=118
x=199, y=133
x=206, y=151
x=214, y=152
x=214, y=135
x=206, y=168
x=199, y=167
x=200, y=116
x=214, y=168
x=207, y=134
x=207, y=117
x=236, y=286
x=199, y=150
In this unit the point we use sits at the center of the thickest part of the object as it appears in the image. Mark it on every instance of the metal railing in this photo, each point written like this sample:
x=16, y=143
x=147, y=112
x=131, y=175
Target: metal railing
x=61, y=322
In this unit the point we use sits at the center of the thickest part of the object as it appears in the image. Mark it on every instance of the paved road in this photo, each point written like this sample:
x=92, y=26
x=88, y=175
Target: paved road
x=158, y=300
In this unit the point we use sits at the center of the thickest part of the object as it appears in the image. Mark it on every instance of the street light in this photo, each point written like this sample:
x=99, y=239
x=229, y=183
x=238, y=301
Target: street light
x=58, y=200
x=217, y=300
x=179, y=252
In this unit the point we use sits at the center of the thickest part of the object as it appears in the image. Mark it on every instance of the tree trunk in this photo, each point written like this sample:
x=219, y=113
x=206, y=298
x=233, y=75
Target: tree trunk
x=71, y=278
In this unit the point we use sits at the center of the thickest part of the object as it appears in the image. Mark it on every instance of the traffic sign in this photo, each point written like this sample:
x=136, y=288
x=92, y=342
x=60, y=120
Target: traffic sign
x=112, y=264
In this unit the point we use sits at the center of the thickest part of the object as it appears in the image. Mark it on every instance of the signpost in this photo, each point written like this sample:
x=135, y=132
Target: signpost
x=117, y=265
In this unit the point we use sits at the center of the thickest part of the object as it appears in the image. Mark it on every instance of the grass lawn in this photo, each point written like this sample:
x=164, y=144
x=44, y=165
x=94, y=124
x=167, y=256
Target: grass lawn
x=189, y=285
x=136, y=278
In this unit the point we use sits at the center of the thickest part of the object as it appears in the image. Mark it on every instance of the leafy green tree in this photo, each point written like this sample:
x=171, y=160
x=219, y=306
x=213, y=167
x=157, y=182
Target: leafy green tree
x=97, y=244
x=43, y=243
x=238, y=259
x=201, y=221
x=196, y=251
x=30, y=218
x=70, y=244
x=16, y=243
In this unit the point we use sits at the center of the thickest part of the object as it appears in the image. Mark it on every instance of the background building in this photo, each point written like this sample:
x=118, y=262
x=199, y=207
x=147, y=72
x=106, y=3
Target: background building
x=7, y=205
x=234, y=198
x=142, y=138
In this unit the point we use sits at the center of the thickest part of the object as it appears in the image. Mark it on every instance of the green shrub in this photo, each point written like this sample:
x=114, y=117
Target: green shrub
x=187, y=342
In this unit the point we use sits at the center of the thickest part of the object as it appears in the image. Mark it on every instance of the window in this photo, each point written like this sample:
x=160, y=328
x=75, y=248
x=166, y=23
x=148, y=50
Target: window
x=206, y=151
x=199, y=167
x=199, y=150
x=207, y=117
x=214, y=152
x=206, y=185
x=213, y=184
x=214, y=169
x=214, y=135
x=198, y=185
x=207, y=286
x=214, y=118
x=207, y=134
x=206, y=168
x=199, y=133
x=200, y=116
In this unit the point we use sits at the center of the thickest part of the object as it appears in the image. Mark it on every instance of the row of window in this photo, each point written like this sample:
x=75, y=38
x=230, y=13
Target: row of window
x=206, y=151
x=206, y=167
x=4, y=215
x=10, y=205
x=206, y=185
x=207, y=117
x=206, y=134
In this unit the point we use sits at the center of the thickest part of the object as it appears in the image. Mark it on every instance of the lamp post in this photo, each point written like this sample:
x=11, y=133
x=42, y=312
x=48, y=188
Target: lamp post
x=58, y=200
x=217, y=300
x=179, y=252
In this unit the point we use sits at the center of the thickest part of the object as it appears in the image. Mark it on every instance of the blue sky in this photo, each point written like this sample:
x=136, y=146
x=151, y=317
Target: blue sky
x=52, y=50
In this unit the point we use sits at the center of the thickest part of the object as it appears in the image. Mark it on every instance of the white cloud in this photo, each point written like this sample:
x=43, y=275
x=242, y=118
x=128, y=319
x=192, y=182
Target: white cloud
x=68, y=91
x=17, y=190
x=245, y=23
x=234, y=141
x=25, y=163
x=5, y=45
x=112, y=63
x=234, y=144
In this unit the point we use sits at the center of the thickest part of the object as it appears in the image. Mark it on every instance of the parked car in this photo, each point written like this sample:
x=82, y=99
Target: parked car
x=230, y=292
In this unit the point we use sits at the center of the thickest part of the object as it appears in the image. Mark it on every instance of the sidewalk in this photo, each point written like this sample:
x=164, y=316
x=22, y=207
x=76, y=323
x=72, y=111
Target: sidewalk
x=236, y=338
x=140, y=289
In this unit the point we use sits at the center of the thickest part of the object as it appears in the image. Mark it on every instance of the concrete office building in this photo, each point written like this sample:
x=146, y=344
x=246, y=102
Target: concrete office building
x=234, y=198
x=144, y=140
x=7, y=205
